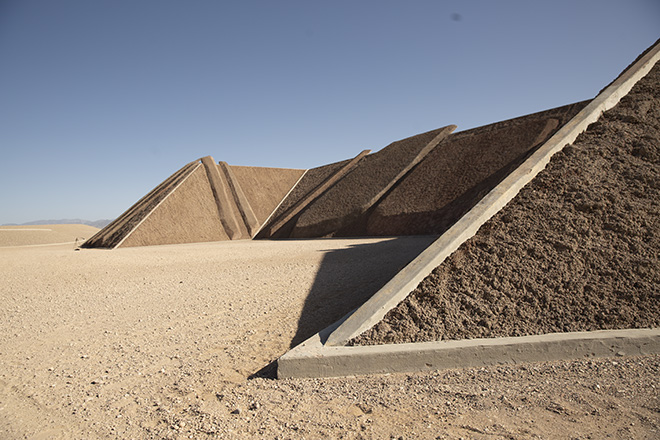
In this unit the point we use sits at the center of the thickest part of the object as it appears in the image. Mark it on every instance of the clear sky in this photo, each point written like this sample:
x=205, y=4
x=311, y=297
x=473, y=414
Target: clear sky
x=100, y=101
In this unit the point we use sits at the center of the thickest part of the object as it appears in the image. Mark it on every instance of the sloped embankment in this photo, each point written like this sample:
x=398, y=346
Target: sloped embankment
x=576, y=250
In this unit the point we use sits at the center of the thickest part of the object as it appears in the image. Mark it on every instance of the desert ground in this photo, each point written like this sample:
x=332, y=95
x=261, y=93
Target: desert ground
x=164, y=342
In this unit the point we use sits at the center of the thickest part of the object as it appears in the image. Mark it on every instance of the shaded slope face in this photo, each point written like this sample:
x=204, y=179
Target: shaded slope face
x=460, y=171
x=576, y=250
x=265, y=187
x=335, y=212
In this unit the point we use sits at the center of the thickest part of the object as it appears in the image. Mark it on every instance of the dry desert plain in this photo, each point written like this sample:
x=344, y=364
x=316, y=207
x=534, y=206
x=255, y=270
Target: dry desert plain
x=160, y=342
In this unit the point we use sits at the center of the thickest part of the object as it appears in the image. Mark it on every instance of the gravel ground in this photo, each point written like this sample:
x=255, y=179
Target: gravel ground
x=159, y=342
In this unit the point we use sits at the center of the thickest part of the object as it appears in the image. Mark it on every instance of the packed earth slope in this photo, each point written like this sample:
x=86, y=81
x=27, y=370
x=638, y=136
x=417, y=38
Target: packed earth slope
x=576, y=250
x=460, y=171
x=336, y=211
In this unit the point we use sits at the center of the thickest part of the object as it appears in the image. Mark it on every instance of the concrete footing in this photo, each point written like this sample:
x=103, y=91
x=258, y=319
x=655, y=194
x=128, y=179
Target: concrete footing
x=313, y=359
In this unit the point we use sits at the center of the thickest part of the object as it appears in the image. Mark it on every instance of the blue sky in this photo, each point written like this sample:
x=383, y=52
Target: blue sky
x=100, y=101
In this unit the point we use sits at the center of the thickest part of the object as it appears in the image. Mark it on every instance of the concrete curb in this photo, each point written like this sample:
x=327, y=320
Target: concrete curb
x=312, y=359
x=170, y=192
x=405, y=281
x=105, y=235
x=221, y=197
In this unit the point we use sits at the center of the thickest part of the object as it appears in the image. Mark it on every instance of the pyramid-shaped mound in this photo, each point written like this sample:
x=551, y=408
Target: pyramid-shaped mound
x=415, y=186
x=203, y=201
x=421, y=185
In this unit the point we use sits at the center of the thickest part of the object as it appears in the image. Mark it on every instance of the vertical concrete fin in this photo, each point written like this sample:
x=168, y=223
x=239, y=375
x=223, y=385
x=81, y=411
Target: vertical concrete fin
x=221, y=198
x=313, y=194
x=249, y=218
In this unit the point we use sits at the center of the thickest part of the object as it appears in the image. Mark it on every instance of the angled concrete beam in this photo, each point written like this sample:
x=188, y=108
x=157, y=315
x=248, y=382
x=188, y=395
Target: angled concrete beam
x=250, y=220
x=221, y=198
x=117, y=231
x=405, y=281
x=320, y=189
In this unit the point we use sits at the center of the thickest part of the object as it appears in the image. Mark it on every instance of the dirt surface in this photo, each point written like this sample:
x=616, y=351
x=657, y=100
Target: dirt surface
x=45, y=234
x=348, y=200
x=460, y=171
x=576, y=250
x=158, y=342
x=310, y=180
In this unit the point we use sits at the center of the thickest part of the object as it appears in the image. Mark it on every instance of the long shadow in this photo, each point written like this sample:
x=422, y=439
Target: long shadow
x=349, y=277
x=346, y=279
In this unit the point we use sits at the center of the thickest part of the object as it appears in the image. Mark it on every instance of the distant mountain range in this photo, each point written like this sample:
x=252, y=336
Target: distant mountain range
x=97, y=223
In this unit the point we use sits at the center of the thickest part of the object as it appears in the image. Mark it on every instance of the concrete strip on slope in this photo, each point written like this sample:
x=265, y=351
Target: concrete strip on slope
x=463, y=169
x=114, y=233
x=251, y=222
x=400, y=286
x=312, y=359
x=188, y=214
x=221, y=198
x=342, y=209
x=265, y=187
x=316, y=192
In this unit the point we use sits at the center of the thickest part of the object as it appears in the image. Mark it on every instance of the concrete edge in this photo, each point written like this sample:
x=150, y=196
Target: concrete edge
x=247, y=214
x=388, y=297
x=420, y=156
x=313, y=359
x=124, y=217
x=221, y=197
x=263, y=225
x=314, y=193
x=174, y=188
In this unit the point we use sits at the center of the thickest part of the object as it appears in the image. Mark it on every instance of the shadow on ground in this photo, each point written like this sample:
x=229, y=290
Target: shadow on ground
x=349, y=277
x=346, y=279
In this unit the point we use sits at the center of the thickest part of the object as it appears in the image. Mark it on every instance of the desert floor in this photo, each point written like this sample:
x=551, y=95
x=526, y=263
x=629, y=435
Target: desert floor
x=160, y=342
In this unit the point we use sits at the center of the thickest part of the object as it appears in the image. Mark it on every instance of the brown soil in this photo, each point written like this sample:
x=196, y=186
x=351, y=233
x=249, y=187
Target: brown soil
x=576, y=250
x=312, y=178
x=45, y=234
x=188, y=215
x=113, y=233
x=265, y=187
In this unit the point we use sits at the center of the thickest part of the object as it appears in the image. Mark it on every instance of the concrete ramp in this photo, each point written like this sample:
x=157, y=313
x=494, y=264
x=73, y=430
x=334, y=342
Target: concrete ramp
x=331, y=353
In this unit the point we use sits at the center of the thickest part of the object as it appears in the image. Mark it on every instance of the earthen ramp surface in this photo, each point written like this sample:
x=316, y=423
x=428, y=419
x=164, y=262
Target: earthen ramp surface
x=460, y=171
x=577, y=250
x=339, y=211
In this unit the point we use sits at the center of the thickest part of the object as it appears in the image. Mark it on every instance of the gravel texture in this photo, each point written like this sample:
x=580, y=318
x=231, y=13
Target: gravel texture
x=158, y=342
x=460, y=171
